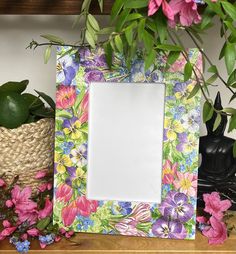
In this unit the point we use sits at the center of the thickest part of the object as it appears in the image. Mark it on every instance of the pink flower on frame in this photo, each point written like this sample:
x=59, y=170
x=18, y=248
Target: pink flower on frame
x=168, y=172
x=215, y=206
x=64, y=193
x=84, y=109
x=217, y=232
x=154, y=5
x=142, y=212
x=69, y=213
x=65, y=97
x=85, y=206
x=185, y=13
x=186, y=183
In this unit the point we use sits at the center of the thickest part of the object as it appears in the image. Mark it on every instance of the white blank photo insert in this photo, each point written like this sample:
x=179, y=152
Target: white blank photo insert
x=125, y=141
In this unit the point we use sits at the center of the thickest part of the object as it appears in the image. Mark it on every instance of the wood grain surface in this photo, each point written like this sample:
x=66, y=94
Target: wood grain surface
x=94, y=243
x=53, y=7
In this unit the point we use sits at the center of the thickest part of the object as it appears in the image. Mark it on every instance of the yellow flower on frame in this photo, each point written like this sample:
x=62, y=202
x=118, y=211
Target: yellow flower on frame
x=62, y=161
x=71, y=127
x=172, y=127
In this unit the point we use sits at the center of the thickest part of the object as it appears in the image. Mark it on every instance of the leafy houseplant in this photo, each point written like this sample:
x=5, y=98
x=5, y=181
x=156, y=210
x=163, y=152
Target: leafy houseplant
x=153, y=26
x=17, y=108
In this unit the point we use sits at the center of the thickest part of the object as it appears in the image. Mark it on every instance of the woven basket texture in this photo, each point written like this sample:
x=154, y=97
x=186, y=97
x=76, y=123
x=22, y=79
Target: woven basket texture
x=26, y=150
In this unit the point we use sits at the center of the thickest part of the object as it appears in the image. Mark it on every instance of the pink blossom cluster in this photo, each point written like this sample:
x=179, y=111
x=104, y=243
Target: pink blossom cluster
x=27, y=212
x=214, y=228
x=184, y=12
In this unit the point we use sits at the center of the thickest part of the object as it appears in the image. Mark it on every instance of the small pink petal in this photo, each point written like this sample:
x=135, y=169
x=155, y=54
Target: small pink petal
x=2, y=183
x=9, y=203
x=6, y=224
x=41, y=174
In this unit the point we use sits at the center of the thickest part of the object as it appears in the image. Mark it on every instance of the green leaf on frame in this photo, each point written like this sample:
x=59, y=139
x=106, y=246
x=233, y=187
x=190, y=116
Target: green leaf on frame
x=230, y=56
x=172, y=57
x=79, y=99
x=119, y=43
x=108, y=53
x=207, y=111
x=233, y=97
x=53, y=38
x=232, y=78
x=169, y=47
x=150, y=59
x=230, y=9
x=64, y=114
x=129, y=34
x=90, y=39
x=93, y=22
x=188, y=69
x=217, y=121
x=234, y=150
x=47, y=98
x=47, y=54
x=232, y=123
x=194, y=91
x=135, y=4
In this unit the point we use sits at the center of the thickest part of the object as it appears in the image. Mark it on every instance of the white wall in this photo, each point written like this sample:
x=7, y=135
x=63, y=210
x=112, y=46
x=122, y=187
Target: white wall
x=17, y=63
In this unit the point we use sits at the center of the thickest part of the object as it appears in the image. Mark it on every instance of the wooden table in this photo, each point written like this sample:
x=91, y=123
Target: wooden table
x=93, y=243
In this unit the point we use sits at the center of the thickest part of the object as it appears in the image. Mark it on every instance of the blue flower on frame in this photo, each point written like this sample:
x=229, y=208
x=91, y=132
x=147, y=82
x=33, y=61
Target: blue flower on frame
x=66, y=147
x=125, y=208
x=84, y=222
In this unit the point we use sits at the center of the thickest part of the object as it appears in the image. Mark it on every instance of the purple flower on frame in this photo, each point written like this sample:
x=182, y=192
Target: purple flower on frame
x=176, y=207
x=183, y=139
x=169, y=229
x=93, y=76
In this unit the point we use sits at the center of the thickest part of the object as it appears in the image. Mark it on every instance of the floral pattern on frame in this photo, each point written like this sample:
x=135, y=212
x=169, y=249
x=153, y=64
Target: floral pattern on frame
x=175, y=217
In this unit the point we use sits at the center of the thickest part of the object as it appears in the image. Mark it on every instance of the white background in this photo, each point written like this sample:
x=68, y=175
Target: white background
x=17, y=63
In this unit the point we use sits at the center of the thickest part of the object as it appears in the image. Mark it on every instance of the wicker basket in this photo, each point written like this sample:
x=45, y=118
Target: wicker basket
x=26, y=150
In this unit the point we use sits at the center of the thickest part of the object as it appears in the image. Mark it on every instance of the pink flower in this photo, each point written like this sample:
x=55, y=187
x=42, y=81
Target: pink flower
x=215, y=206
x=47, y=210
x=42, y=187
x=217, y=233
x=201, y=219
x=128, y=227
x=41, y=174
x=33, y=232
x=142, y=212
x=186, y=183
x=169, y=171
x=69, y=213
x=185, y=12
x=7, y=231
x=57, y=238
x=2, y=183
x=69, y=234
x=24, y=237
x=42, y=245
x=65, y=97
x=6, y=224
x=64, y=193
x=9, y=203
x=49, y=186
x=85, y=206
x=84, y=109
x=24, y=206
x=154, y=6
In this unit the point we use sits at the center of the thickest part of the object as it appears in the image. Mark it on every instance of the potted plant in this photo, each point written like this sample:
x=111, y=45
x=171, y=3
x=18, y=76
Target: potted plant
x=26, y=132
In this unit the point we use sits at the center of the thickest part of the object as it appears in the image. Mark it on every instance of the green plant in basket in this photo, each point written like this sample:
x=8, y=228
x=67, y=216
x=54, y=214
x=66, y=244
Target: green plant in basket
x=17, y=108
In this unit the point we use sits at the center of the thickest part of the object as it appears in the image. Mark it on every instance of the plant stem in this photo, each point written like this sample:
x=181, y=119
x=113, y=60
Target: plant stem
x=208, y=60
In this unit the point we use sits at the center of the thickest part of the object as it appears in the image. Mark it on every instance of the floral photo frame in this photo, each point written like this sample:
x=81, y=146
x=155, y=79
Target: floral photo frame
x=175, y=217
